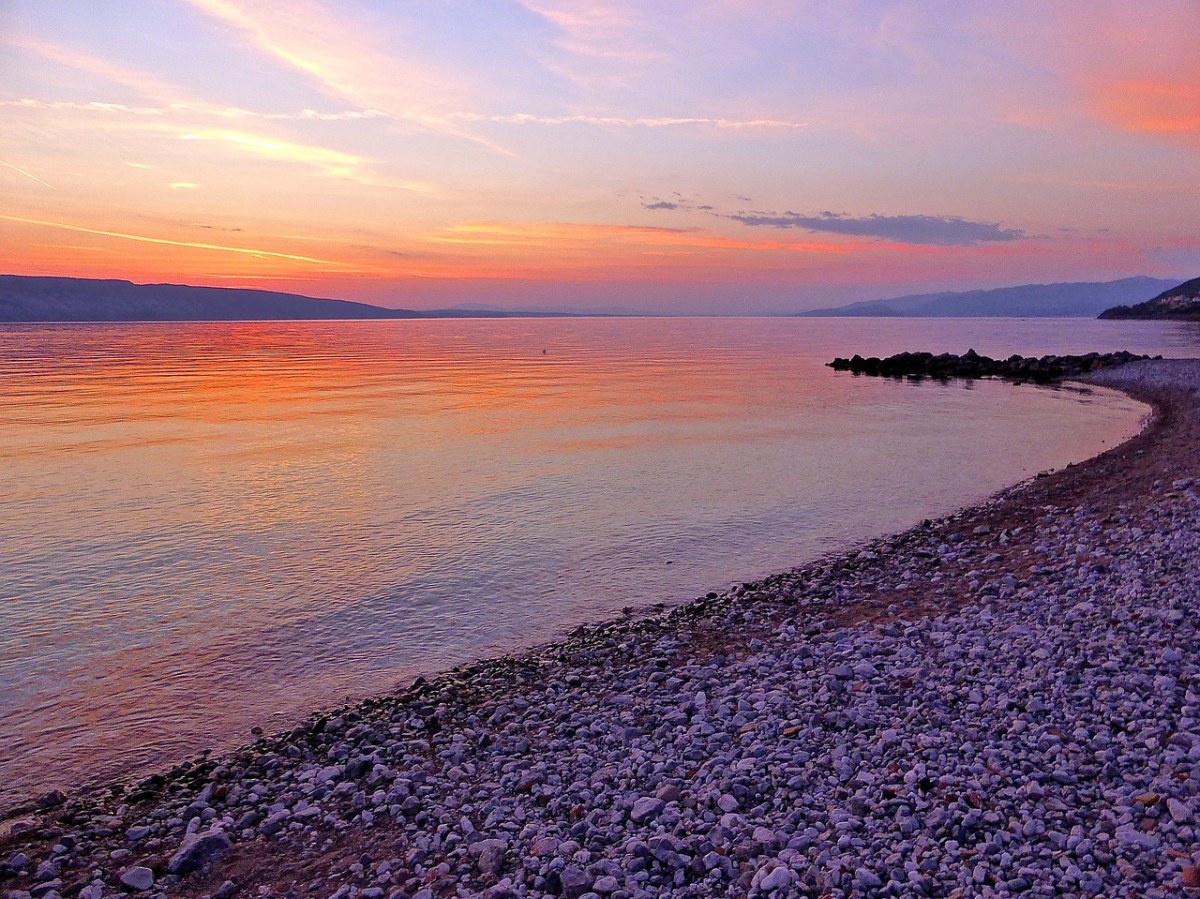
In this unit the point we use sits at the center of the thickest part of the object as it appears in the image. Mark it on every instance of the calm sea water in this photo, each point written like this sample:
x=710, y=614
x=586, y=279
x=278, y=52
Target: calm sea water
x=206, y=527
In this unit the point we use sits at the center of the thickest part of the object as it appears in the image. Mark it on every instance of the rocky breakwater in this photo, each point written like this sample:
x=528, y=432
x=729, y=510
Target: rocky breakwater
x=1040, y=370
x=1002, y=702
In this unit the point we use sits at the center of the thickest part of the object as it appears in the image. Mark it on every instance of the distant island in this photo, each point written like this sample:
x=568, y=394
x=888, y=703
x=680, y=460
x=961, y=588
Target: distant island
x=1065, y=300
x=39, y=299
x=1179, y=303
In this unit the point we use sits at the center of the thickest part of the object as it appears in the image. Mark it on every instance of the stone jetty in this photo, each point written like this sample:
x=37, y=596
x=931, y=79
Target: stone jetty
x=1040, y=370
x=1001, y=702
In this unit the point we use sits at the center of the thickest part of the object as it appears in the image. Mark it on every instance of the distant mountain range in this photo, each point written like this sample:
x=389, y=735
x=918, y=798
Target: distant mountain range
x=36, y=299
x=488, y=308
x=40, y=299
x=1065, y=300
x=1179, y=303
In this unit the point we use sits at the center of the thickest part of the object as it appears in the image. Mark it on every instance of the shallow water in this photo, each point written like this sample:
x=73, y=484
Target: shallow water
x=204, y=527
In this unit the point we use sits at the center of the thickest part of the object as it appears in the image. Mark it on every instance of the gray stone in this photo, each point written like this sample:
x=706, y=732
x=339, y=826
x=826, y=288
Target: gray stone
x=646, y=808
x=491, y=855
x=138, y=878
x=198, y=850
x=775, y=879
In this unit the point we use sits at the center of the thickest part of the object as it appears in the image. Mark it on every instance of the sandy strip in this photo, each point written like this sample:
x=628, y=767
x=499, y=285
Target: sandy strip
x=999, y=702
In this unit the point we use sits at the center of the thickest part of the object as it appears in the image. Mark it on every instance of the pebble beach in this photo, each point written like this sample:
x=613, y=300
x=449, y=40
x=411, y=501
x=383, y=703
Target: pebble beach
x=1002, y=702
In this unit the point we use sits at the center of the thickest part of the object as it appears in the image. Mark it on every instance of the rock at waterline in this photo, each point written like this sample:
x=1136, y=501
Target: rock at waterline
x=972, y=365
x=197, y=850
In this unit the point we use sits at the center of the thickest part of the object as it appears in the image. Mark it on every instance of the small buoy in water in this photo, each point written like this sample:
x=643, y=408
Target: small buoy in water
x=543, y=352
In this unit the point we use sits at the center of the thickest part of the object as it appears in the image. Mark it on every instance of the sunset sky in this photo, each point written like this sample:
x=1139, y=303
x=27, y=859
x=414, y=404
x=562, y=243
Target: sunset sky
x=716, y=155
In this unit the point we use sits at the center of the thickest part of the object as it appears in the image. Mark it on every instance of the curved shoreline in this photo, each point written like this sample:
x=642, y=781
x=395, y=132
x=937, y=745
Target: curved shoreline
x=610, y=690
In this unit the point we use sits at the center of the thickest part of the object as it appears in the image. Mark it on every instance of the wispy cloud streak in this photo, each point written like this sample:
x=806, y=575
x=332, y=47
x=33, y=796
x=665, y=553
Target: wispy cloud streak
x=604, y=32
x=935, y=230
x=31, y=177
x=349, y=63
x=332, y=162
x=136, y=80
x=193, y=122
x=224, y=112
x=194, y=245
x=349, y=115
x=624, y=122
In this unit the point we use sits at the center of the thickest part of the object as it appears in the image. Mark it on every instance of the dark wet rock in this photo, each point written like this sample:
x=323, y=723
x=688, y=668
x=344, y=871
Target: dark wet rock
x=197, y=850
x=52, y=799
x=574, y=882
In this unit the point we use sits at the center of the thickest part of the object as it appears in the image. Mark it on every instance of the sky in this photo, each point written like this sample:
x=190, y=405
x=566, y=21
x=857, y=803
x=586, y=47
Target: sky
x=715, y=156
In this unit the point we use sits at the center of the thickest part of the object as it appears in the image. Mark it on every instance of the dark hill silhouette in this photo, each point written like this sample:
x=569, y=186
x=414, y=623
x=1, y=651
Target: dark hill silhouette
x=26, y=298
x=1179, y=303
x=1063, y=300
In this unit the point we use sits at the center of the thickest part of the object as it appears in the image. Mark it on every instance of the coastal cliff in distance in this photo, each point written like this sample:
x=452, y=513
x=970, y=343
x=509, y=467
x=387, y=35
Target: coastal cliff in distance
x=35, y=299
x=1062, y=300
x=26, y=298
x=1180, y=303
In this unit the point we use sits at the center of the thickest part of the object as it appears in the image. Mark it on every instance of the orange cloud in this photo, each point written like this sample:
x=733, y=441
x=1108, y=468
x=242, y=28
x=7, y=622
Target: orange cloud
x=332, y=162
x=1132, y=66
x=1164, y=106
x=1137, y=71
x=588, y=237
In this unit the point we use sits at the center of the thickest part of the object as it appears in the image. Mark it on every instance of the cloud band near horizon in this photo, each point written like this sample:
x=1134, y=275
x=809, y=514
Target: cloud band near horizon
x=936, y=230
x=941, y=230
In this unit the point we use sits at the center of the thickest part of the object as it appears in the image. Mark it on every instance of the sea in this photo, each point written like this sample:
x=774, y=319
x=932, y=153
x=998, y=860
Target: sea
x=212, y=527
